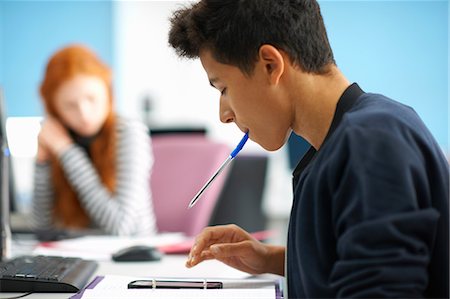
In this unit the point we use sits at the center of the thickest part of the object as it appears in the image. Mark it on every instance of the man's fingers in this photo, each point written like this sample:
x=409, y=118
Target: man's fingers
x=212, y=235
x=195, y=260
x=232, y=249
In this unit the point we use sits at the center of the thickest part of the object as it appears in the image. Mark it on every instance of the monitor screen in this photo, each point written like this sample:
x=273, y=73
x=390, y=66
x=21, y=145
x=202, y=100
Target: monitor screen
x=5, y=231
x=22, y=134
x=5, y=151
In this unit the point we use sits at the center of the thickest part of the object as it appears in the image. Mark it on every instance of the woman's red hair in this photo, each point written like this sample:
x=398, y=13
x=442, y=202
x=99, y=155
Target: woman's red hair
x=64, y=65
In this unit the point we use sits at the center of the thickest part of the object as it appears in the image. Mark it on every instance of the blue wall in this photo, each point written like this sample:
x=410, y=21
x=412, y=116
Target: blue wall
x=397, y=48
x=1, y=43
x=30, y=31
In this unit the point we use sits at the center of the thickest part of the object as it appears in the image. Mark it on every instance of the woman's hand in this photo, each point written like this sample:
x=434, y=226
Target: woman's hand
x=235, y=247
x=52, y=139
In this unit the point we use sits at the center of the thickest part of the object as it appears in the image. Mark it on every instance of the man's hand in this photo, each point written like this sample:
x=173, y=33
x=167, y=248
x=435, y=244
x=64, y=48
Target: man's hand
x=235, y=247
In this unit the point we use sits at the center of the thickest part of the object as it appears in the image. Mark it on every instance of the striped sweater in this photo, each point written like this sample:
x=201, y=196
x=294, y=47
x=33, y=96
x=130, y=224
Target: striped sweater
x=129, y=210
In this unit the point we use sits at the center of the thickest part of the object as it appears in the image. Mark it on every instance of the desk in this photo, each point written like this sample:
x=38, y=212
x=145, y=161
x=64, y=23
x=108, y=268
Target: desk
x=169, y=266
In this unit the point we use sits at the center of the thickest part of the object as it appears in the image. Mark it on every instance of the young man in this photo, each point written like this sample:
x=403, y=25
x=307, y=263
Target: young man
x=370, y=211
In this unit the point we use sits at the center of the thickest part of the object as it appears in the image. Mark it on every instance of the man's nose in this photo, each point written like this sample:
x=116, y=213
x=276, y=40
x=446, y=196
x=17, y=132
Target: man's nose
x=226, y=114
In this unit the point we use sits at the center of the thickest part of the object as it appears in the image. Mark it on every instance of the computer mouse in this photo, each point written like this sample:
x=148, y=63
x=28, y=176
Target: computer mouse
x=137, y=253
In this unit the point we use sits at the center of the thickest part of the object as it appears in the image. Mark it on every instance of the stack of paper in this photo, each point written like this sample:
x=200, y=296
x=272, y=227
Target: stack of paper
x=181, y=294
x=115, y=286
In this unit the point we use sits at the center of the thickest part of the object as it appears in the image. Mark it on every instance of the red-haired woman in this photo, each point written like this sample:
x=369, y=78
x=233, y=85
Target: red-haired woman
x=92, y=167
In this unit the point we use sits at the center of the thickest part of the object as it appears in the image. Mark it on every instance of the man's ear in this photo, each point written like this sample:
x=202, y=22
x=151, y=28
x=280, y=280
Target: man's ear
x=272, y=61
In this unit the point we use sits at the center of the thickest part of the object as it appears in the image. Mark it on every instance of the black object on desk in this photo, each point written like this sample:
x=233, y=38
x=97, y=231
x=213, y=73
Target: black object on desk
x=45, y=274
x=174, y=284
x=137, y=253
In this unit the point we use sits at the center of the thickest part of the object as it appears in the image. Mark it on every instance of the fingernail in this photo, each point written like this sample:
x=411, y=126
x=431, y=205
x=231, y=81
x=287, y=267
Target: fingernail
x=215, y=249
x=189, y=262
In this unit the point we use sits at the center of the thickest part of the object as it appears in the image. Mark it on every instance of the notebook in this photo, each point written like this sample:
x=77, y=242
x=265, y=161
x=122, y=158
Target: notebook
x=115, y=286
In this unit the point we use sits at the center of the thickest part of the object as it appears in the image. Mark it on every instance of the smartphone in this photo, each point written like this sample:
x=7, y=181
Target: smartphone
x=174, y=284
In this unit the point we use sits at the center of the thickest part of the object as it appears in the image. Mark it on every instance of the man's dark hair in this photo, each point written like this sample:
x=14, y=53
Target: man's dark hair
x=234, y=30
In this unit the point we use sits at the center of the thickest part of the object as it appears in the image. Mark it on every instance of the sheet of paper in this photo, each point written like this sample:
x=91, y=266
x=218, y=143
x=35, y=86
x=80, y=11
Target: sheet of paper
x=119, y=282
x=182, y=294
x=115, y=286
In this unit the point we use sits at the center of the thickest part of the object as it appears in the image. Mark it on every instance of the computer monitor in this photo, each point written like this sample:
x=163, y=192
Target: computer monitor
x=9, y=191
x=5, y=231
x=22, y=135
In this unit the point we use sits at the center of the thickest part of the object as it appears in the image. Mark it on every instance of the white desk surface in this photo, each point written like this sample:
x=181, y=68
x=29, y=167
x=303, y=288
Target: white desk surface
x=169, y=266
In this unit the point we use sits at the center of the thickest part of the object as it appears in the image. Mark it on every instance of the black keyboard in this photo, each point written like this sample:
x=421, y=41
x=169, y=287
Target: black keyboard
x=45, y=274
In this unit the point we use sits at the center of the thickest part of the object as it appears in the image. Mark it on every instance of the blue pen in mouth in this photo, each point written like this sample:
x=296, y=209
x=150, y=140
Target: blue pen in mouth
x=221, y=168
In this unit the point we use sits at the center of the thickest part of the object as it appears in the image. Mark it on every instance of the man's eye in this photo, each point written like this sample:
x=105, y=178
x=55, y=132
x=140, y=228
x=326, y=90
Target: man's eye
x=223, y=91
